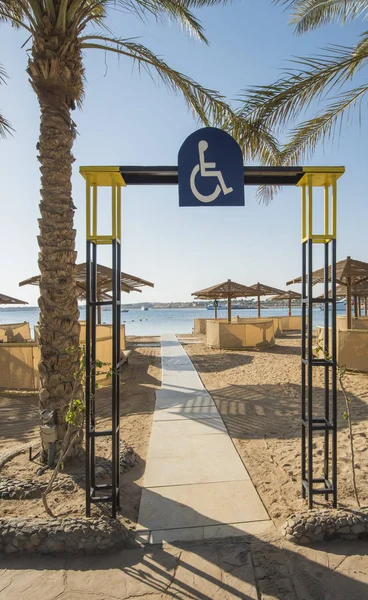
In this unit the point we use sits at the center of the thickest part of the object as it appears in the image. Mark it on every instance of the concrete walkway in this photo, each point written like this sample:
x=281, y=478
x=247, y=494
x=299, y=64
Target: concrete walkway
x=196, y=486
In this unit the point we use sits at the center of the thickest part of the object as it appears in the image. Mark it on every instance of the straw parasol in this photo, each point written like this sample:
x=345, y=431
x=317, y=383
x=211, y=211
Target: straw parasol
x=4, y=299
x=290, y=295
x=129, y=283
x=227, y=289
x=358, y=291
x=349, y=272
x=261, y=289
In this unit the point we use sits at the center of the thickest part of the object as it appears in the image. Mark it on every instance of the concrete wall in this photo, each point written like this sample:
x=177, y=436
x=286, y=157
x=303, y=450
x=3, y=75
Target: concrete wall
x=15, y=332
x=19, y=363
x=103, y=331
x=293, y=323
x=19, y=366
x=352, y=347
x=360, y=323
x=200, y=324
x=240, y=335
x=277, y=325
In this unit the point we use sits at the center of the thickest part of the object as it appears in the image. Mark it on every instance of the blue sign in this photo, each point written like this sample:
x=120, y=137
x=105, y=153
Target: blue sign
x=210, y=170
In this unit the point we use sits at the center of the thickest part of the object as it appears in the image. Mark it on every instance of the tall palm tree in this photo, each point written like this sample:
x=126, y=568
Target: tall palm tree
x=326, y=79
x=59, y=32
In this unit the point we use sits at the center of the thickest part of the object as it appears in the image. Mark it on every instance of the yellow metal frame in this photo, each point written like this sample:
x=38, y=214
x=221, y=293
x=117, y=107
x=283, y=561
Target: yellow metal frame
x=325, y=177
x=102, y=177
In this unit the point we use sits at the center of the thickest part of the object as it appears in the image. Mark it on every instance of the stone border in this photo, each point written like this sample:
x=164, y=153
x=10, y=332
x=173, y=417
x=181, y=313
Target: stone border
x=321, y=525
x=11, y=489
x=62, y=536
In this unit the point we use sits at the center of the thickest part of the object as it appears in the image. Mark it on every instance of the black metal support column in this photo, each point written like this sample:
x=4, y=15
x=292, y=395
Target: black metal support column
x=105, y=493
x=326, y=423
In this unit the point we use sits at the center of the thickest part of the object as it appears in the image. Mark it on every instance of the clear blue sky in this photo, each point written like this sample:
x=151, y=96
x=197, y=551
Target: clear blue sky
x=128, y=119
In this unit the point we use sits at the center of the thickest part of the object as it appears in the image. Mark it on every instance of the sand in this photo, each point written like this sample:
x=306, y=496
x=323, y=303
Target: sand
x=19, y=417
x=258, y=395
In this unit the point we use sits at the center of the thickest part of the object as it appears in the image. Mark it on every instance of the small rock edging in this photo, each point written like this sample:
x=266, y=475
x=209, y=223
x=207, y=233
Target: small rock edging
x=11, y=489
x=318, y=526
x=62, y=536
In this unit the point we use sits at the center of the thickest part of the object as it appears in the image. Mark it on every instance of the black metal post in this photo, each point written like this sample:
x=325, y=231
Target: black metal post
x=303, y=378
x=93, y=310
x=310, y=374
x=118, y=346
x=334, y=375
x=327, y=370
x=88, y=379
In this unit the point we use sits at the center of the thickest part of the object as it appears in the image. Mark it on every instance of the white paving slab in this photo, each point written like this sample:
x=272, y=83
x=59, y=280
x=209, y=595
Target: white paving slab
x=195, y=486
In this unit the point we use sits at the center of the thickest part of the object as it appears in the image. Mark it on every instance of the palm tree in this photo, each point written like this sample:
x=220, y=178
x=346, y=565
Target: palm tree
x=327, y=79
x=59, y=32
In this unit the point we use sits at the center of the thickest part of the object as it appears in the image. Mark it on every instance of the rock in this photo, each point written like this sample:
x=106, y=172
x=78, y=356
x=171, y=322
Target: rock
x=35, y=539
x=345, y=529
x=304, y=540
x=358, y=528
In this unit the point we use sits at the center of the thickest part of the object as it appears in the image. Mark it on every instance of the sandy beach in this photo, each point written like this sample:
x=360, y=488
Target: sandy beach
x=258, y=395
x=141, y=376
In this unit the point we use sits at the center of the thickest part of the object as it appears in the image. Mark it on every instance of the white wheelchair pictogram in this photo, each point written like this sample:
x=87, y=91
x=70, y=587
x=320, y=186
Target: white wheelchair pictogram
x=206, y=169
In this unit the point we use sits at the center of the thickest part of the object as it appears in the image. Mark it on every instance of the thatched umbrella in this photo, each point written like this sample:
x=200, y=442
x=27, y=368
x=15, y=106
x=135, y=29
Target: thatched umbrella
x=290, y=295
x=359, y=292
x=349, y=272
x=129, y=283
x=4, y=299
x=228, y=289
x=261, y=289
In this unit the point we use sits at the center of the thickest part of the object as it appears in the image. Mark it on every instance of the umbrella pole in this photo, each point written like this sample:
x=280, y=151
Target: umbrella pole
x=289, y=307
x=215, y=305
x=259, y=307
x=356, y=314
x=348, y=303
x=365, y=307
x=229, y=308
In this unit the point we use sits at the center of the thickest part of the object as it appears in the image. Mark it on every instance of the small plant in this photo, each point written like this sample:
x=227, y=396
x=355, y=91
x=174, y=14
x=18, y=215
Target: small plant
x=75, y=417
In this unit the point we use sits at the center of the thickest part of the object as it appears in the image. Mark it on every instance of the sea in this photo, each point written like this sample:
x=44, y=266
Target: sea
x=153, y=321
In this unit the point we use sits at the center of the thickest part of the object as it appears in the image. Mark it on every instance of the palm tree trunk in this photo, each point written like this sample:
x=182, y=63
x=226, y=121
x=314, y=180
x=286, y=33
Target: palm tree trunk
x=56, y=74
x=59, y=327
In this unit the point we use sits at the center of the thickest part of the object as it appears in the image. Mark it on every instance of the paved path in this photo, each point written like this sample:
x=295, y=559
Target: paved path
x=196, y=486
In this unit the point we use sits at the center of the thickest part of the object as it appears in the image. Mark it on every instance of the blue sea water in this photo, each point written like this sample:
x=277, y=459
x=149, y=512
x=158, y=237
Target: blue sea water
x=152, y=321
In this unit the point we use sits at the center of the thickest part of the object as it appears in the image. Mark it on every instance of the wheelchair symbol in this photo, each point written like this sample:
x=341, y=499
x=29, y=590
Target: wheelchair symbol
x=206, y=170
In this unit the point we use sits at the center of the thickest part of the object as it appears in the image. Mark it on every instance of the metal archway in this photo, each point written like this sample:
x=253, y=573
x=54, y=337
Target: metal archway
x=307, y=178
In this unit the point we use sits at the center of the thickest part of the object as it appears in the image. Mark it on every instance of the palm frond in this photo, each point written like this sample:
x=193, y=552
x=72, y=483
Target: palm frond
x=308, y=134
x=163, y=11
x=310, y=14
x=266, y=193
x=208, y=105
x=284, y=100
x=5, y=127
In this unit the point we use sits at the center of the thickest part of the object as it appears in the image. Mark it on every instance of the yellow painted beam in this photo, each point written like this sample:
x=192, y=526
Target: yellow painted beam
x=304, y=212
x=334, y=209
x=102, y=239
x=321, y=176
x=326, y=210
x=101, y=176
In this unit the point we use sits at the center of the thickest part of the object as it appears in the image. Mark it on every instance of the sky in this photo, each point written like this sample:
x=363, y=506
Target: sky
x=130, y=119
